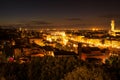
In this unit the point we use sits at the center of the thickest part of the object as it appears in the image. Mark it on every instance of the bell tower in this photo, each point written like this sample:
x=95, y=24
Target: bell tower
x=112, y=25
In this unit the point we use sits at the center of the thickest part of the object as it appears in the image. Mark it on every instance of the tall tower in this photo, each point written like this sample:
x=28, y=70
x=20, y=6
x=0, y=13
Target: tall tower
x=112, y=25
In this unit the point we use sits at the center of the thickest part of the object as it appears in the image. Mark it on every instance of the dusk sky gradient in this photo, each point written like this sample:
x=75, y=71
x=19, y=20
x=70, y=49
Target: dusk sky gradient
x=60, y=12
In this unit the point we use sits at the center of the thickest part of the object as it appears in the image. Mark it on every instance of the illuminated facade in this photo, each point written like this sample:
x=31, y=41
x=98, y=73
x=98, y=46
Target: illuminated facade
x=112, y=25
x=113, y=30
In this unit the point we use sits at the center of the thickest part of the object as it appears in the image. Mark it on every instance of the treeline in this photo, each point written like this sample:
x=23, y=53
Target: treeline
x=60, y=68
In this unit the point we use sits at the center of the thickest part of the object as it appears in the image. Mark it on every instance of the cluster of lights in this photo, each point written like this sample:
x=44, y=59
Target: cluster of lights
x=95, y=29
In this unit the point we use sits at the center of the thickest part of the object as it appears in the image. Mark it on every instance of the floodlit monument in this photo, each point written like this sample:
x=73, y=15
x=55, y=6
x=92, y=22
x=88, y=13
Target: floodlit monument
x=113, y=31
x=112, y=25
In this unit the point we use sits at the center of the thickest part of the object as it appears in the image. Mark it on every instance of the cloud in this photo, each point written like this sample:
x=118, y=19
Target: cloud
x=39, y=22
x=73, y=19
x=34, y=22
x=78, y=25
x=111, y=16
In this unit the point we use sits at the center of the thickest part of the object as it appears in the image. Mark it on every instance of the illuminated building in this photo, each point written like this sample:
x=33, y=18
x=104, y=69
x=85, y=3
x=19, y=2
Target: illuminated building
x=112, y=25
x=113, y=30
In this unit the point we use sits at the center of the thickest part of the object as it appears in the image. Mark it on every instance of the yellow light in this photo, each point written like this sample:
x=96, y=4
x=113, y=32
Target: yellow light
x=96, y=29
x=65, y=41
x=93, y=29
x=74, y=45
x=49, y=39
x=63, y=34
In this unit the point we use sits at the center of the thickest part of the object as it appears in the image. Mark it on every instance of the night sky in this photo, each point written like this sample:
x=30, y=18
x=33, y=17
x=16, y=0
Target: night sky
x=60, y=13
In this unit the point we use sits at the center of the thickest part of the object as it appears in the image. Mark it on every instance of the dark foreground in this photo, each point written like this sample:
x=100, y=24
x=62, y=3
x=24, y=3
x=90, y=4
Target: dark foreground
x=61, y=68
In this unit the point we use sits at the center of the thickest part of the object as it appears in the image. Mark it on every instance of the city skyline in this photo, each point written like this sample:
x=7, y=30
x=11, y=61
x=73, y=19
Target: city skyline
x=62, y=13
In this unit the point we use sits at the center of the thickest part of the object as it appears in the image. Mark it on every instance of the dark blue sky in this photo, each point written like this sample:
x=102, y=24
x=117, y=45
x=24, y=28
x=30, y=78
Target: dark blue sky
x=59, y=12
